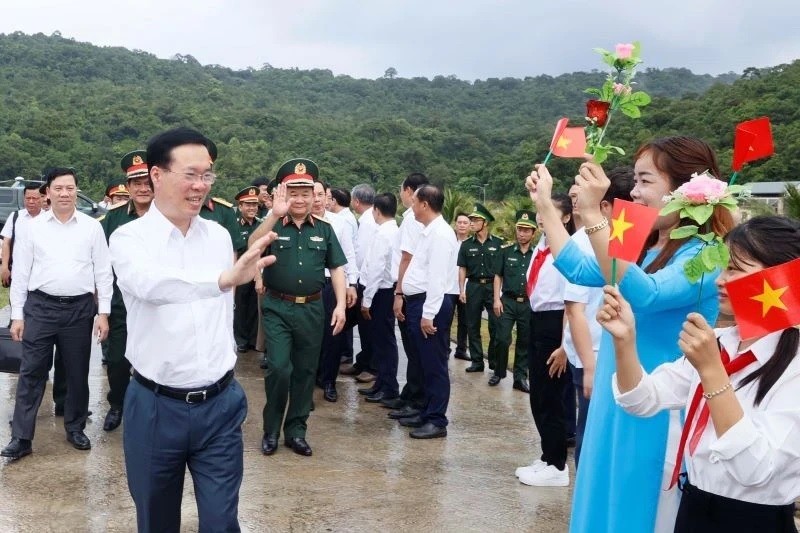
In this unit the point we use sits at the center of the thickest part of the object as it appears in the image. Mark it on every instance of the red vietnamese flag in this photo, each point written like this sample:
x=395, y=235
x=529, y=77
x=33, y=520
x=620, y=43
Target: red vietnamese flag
x=630, y=226
x=766, y=301
x=753, y=140
x=568, y=142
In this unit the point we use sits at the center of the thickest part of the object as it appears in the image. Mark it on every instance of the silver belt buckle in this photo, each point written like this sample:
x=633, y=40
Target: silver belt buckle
x=201, y=399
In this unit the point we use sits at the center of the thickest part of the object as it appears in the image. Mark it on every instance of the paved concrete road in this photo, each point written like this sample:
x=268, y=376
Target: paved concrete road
x=366, y=474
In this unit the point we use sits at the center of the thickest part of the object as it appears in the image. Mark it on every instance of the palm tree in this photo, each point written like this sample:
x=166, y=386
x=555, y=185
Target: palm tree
x=791, y=202
x=505, y=216
x=456, y=202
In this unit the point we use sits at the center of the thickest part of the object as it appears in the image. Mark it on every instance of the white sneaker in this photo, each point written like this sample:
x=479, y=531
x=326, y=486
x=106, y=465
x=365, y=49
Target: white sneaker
x=535, y=466
x=549, y=476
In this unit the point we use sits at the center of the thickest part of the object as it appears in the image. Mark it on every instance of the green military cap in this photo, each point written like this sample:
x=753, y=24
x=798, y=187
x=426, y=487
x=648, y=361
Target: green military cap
x=298, y=173
x=248, y=194
x=480, y=211
x=526, y=219
x=117, y=186
x=134, y=164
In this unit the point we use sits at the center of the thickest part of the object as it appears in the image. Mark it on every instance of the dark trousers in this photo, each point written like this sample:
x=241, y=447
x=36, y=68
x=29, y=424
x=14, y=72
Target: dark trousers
x=118, y=368
x=481, y=298
x=414, y=390
x=570, y=405
x=331, y=349
x=461, y=328
x=703, y=512
x=519, y=314
x=364, y=359
x=547, y=394
x=68, y=327
x=433, y=352
x=245, y=315
x=162, y=436
x=384, y=342
x=59, y=380
x=583, y=410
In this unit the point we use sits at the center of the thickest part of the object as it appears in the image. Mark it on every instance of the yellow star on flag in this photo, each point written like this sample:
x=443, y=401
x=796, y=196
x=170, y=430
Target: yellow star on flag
x=770, y=298
x=563, y=142
x=619, y=226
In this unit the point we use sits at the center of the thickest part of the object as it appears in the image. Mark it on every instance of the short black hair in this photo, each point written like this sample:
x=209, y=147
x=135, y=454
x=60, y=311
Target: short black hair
x=433, y=195
x=324, y=184
x=261, y=180
x=621, y=184
x=415, y=180
x=31, y=186
x=341, y=196
x=55, y=172
x=461, y=214
x=159, y=148
x=385, y=204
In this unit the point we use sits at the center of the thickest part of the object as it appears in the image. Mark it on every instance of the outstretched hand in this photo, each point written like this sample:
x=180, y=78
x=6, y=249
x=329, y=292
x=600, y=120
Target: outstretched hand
x=280, y=204
x=249, y=264
x=593, y=184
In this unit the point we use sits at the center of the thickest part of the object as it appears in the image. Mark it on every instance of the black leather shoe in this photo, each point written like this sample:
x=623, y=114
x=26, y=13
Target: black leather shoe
x=376, y=398
x=79, y=440
x=521, y=385
x=263, y=364
x=298, y=445
x=494, y=380
x=474, y=367
x=412, y=421
x=405, y=412
x=393, y=403
x=369, y=391
x=17, y=448
x=329, y=393
x=113, y=419
x=269, y=444
x=428, y=431
x=462, y=356
x=242, y=348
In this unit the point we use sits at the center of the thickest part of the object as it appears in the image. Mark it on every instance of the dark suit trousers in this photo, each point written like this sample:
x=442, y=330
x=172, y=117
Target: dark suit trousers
x=384, y=342
x=68, y=327
x=414, y=390
x=245, y=314
x=330, y=353
x=365, y=358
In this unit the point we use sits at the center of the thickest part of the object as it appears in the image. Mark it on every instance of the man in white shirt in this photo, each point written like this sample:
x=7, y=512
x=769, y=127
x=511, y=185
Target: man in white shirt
x=430, y=288
x=59, y=265
x=378, y=274
x=183, y=408
x=15, y=226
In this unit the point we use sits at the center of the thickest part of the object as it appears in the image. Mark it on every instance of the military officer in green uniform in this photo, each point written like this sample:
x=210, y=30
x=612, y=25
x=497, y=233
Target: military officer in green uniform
x=292, y=305
x=222, y=212
x=117, y=192
x=511, y=302
x=476, y=262
x=265, y=187
x=118, y=368
x=245, y=300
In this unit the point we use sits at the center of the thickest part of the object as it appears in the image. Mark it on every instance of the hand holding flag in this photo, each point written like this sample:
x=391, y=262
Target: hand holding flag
x=630, y=226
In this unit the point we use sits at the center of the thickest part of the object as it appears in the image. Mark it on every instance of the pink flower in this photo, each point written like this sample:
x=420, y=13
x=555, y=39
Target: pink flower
x=703, y=189
x=624, y=50
x=619, y=88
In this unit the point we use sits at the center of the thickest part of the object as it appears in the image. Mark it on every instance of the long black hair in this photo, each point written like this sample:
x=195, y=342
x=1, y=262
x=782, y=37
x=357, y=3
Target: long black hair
x=770, y=240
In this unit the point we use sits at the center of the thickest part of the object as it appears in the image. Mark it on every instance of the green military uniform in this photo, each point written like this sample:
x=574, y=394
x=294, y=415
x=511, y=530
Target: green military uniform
x=263, y=211
x=293, y=314
x=222, y=212
x=479, y=260
x=118, y=369
x=512, y=266
x=245, y=299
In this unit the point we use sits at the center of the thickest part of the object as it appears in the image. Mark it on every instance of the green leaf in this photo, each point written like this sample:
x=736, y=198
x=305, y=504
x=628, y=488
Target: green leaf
x=640, y=98
x=700, y=213
x=607, y=92
x=637, y=50
x=671, y=207
x=693, y=270
x=724, y=255
x=707, y=237
x=709, y=258
x=681, y=232
x=593, y=91
x=630, y=110
x=600, y=154
x=617, y=149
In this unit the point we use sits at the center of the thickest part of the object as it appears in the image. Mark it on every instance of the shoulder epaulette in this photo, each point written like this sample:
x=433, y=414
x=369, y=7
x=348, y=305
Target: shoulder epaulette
x=101, y=218
x=222, y=201
x=320, y=218
x=507, y=245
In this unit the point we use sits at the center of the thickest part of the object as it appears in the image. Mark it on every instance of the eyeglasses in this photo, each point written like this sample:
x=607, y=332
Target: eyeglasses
x=193, y=177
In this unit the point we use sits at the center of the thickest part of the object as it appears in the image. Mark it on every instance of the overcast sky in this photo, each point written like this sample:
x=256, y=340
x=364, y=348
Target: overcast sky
x=471, y=39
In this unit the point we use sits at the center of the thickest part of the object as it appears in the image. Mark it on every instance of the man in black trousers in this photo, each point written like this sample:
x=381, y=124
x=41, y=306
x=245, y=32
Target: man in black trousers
x=58, y=267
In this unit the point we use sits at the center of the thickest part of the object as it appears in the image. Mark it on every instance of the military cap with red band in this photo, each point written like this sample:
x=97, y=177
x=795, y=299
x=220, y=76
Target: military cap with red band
x=134, y=164
x=298, y=173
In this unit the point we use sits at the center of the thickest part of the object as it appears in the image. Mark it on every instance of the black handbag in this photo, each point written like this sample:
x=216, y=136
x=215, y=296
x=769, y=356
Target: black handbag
x=10, y=352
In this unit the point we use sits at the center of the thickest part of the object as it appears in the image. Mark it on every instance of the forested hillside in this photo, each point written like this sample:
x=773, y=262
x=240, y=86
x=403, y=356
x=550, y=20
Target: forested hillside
x=68, y=103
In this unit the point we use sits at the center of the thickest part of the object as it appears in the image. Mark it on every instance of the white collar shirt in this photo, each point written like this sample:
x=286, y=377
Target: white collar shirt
x=10, y=227
x=433, y=268
x=342, y=230
x=366, y=229
x=548, y=293
x=756, y=460
x=410, y=230
x=591, y=297
x=180, y=330
x=62, y=259
x=379, y=270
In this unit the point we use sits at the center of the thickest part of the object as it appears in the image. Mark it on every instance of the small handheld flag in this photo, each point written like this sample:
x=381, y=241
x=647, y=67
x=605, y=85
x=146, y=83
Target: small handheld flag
x=753, y=140
x=630, y=226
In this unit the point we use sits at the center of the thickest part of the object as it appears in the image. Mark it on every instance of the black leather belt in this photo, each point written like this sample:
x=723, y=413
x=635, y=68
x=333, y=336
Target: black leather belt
x=61, y=299
x=516, y=297
x=294, y=299
x=481, y=281
x=187, y=395
x=412, y=297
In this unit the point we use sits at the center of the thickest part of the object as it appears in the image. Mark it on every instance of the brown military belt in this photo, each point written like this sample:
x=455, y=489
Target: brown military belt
x=293, y=298
x=516, y=298
x=482, y=281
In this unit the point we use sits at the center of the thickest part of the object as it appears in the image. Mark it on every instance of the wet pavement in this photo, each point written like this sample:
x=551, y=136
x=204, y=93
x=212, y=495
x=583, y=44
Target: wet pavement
x=366, y=474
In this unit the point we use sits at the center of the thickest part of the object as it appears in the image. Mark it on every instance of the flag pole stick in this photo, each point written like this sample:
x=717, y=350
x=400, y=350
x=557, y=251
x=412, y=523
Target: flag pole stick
x=547, y=157
x=614, y=271
x=733, y=178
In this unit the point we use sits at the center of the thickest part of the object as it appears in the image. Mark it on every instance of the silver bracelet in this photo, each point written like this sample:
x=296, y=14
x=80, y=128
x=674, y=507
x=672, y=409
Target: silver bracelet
x=709, y=395
x=597, y=227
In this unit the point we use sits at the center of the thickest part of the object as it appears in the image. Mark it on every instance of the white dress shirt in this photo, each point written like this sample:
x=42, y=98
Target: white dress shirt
x=345, y=236
x=548, y=293
x=61, y=259
x=758, y=459
x=410, y=231
x=180, y=330
x=433, y=268
x=366, y=230
x=379, y=270
x=22, y=219
x=591, y=297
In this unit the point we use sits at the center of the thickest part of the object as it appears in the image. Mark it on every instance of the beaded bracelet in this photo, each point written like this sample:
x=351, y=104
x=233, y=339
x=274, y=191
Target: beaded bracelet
x=709, y=395
x=597, y=227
